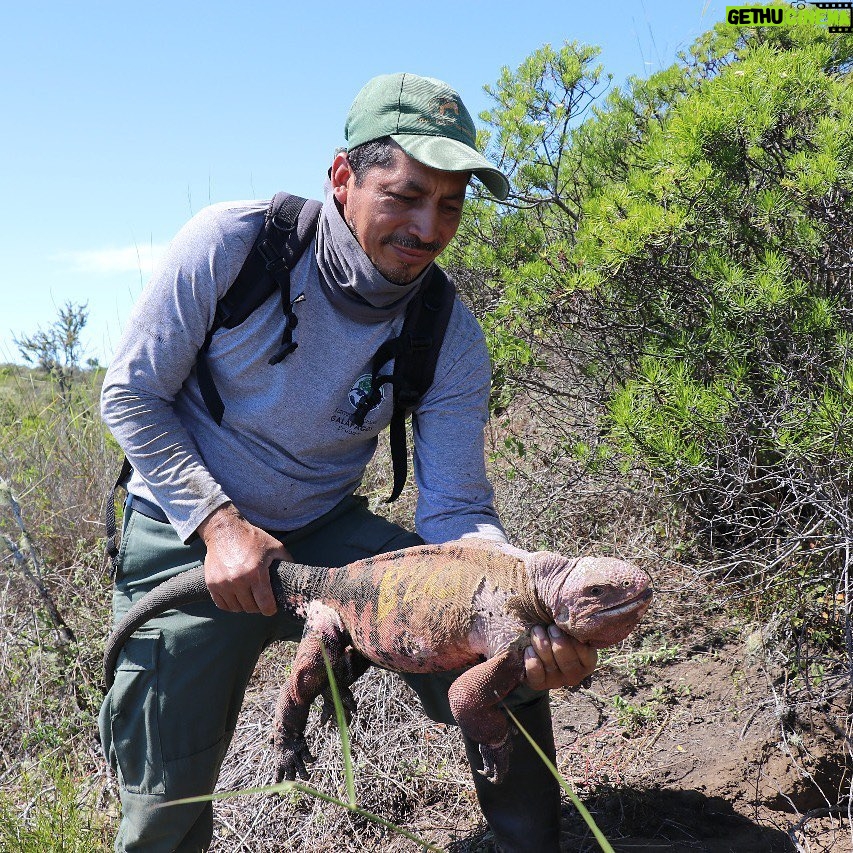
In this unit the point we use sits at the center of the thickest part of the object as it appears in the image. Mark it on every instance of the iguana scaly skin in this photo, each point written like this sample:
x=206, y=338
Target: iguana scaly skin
x=432, y=608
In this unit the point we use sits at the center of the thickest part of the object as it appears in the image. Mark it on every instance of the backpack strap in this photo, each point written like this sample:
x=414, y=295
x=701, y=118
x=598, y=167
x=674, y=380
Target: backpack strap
x=415, y=352
x=414, y=369
x=290, y=223
x=112, y=544
x=289, y=226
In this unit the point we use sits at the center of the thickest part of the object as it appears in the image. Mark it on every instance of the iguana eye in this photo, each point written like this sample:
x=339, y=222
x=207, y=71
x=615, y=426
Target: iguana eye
x=596, y=590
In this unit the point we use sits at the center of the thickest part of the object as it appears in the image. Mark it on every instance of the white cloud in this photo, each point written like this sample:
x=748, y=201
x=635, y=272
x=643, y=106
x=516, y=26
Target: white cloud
x=135, y=259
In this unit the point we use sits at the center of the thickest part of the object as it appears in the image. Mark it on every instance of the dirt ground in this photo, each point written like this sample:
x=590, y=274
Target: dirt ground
x=717, y=765
x=712, y=746
x=690, y=737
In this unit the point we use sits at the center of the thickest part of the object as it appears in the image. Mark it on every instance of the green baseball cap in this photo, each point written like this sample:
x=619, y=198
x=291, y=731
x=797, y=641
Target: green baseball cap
x=428, y=120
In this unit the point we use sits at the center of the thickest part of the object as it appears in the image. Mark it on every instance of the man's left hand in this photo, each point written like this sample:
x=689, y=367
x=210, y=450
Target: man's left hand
x=555, y=659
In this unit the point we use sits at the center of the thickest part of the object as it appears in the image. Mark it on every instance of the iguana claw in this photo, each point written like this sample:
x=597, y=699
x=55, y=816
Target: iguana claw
x=293, y=756
x=496, y=760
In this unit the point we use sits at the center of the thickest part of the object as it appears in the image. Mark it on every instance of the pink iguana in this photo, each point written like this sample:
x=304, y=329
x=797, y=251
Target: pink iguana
x=433, y=608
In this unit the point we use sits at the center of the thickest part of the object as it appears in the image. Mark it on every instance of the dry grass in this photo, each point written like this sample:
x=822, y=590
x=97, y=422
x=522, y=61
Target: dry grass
x=407, y=769
x=57, y=461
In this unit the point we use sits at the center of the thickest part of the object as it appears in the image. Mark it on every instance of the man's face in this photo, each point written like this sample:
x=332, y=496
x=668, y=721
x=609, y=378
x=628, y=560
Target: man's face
x=403, y=215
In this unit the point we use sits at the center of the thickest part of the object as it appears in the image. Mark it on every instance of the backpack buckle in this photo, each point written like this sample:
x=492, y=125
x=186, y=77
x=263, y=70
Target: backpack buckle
x=272, y=258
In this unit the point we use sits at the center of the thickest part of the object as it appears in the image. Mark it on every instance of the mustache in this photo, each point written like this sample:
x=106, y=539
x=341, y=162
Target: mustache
x=414, y=243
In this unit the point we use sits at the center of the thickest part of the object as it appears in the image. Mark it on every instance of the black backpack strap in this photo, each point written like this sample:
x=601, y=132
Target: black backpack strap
x=415, y=352
x=421, y=339
x=289, y=226
x=112, y=545
x=281, y=249
x=414, y=369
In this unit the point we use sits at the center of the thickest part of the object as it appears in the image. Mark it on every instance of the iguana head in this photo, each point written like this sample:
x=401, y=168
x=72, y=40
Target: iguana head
x=599, y=600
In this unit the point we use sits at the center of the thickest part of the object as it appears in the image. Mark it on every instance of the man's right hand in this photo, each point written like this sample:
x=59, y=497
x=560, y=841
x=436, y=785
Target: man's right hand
x=236, y=568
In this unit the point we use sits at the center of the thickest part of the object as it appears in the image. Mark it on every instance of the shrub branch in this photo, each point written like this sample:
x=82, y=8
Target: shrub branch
x=27, y=559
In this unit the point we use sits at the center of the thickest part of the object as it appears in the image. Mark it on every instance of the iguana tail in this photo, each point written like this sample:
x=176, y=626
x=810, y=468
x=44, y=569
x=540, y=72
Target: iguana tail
x=187, y=588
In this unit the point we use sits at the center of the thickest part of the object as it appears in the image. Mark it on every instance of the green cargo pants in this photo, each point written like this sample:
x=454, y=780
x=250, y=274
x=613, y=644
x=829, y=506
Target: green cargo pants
x=169, y=717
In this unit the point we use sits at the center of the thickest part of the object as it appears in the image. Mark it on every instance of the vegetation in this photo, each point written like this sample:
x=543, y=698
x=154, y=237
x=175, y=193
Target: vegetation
x=55, y=815
x=671, y=282
x=55, y=464
x=57, y=350
x=667, y=296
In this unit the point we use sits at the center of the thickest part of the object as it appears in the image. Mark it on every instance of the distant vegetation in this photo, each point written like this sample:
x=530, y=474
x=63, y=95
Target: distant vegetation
x=55, y=464
x=57, y=350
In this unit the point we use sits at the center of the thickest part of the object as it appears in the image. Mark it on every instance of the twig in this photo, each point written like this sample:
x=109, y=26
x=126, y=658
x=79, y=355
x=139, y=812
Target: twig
x=31, y=558
x=810, y=815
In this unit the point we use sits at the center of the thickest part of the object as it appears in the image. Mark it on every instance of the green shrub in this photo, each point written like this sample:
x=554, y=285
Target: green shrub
x=671, y=280
x=52, y=812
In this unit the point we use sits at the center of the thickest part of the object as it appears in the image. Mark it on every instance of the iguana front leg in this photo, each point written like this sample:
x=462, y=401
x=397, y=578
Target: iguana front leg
x=307, y=680
x=474, y=698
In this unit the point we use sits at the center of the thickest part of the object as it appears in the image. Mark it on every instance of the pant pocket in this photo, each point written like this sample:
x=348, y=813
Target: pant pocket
x=195, y=775
x=133, y=712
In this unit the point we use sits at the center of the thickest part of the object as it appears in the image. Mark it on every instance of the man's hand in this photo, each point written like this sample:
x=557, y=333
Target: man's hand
x=236, y=568
x=554, y=659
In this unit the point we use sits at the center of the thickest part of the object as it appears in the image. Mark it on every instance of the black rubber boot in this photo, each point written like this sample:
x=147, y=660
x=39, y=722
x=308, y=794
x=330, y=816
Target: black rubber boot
x=523, y=812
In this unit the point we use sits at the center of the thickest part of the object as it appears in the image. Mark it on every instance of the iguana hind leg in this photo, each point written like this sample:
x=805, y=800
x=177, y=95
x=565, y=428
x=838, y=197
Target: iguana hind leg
x=474, y=700
x=352, y=667
x=308, y=680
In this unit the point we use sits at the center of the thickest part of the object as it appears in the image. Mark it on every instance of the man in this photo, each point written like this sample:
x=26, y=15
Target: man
x=275, y=480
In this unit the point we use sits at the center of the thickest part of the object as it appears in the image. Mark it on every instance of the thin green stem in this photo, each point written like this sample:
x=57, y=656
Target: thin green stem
x=351, y=805
x=590, y=822
x=284, y=787
x=343, y=728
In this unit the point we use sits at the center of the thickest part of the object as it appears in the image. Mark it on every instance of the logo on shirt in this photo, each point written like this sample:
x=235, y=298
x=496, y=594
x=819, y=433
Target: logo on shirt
x=344, y=419
x=361, y=389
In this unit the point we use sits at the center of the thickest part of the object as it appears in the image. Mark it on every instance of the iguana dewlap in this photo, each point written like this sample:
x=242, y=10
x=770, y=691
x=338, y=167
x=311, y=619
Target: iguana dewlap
x=434, y=608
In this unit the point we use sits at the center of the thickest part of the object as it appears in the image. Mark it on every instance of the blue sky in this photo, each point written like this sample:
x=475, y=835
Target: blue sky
x=123, y=119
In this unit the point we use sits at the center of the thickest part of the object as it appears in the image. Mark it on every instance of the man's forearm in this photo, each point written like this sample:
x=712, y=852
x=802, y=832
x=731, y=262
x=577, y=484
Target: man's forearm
x=159, y=448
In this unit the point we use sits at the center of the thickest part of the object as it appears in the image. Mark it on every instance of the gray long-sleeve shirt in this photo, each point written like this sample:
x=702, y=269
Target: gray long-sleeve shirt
x=286, y=451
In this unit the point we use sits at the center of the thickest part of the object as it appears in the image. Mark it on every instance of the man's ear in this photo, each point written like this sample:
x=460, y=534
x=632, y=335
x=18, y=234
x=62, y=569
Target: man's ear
x=340, y=175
